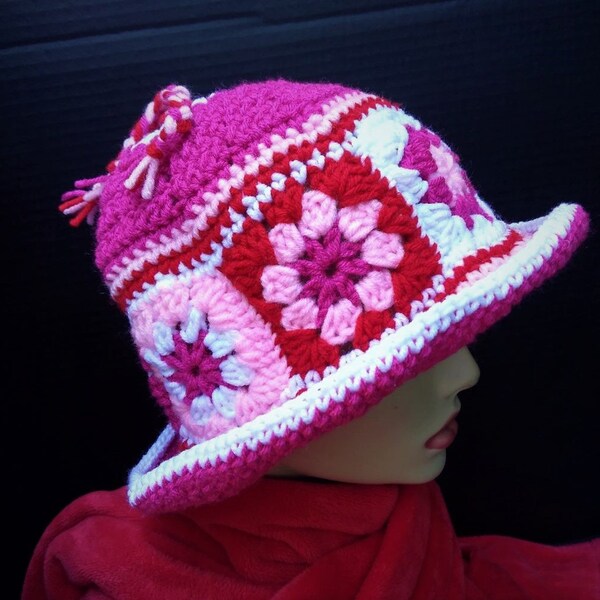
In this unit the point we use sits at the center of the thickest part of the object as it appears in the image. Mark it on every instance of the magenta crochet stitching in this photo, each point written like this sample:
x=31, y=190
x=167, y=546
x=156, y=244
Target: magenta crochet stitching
x=226, y=129
x=228, y=477
x=287, y=254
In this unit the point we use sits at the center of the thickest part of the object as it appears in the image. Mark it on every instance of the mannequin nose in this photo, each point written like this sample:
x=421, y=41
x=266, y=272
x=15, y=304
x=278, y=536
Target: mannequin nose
x=459, y=372
x=469, y=369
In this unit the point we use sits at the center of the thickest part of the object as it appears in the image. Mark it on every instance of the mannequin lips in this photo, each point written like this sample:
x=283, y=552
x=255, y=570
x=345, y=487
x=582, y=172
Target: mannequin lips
x=445, y=436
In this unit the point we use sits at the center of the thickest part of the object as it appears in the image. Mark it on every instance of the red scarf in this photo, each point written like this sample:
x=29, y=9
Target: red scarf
x=298, y=539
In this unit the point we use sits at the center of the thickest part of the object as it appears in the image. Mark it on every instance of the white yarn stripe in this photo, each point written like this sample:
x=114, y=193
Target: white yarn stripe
x=382, y=135
x=412, y=337
x=209, y=262
x=178, y=239
x=298, y=171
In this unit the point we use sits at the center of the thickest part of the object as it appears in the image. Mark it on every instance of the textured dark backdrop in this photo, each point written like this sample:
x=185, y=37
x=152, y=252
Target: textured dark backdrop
x=510, y=85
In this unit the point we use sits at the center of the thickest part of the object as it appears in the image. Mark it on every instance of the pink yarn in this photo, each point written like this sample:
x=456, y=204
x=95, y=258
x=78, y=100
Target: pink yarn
x=226, y=129
x=440, y=166
x=227, y=478
x=269, y=240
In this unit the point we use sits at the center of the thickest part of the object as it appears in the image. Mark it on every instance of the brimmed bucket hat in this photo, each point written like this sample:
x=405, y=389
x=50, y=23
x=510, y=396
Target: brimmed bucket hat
x=287, y=254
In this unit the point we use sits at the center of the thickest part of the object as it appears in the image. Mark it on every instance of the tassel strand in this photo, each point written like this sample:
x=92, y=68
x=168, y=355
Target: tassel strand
x=171, y=113
x=82, y=205
x=161, y=128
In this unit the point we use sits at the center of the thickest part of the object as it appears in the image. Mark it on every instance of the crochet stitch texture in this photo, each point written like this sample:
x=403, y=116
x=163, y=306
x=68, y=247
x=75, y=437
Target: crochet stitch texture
x=288, y=254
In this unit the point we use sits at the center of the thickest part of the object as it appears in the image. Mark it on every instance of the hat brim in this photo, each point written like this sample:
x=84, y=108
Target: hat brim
x=168, y=478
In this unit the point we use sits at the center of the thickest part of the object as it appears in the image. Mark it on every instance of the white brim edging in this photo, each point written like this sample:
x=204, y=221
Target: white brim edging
x=545, y=233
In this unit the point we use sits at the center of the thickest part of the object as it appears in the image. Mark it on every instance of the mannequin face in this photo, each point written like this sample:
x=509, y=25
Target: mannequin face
x=387, y=444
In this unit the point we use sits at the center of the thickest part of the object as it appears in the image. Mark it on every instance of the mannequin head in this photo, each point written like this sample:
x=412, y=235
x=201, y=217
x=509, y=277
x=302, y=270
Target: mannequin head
x=387, y=444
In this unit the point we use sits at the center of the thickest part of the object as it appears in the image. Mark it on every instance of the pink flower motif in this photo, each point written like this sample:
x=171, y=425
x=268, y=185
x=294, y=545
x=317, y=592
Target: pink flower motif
x=333, y=265
x=194, y=367
x=440, y=167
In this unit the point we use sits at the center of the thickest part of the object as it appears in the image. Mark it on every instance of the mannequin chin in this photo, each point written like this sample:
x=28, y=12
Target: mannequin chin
x=387, y=444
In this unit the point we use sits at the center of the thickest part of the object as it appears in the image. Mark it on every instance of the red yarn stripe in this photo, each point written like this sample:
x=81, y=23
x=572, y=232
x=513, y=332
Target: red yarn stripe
x=68, y=203
x=472, y=263
x=82, y=214
x=170, y=263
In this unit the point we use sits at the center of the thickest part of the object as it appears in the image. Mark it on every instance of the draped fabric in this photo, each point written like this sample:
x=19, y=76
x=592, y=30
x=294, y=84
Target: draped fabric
x=298, y=539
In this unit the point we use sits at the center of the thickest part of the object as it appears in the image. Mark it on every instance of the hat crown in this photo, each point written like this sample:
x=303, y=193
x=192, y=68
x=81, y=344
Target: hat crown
x=296, y=252
x=233, y=128
x=229, y=126
x=341, y=233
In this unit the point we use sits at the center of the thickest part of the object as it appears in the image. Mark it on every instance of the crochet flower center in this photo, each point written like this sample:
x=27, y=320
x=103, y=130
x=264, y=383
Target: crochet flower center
x=334, y=264
x=329, y=271
x=194, y=367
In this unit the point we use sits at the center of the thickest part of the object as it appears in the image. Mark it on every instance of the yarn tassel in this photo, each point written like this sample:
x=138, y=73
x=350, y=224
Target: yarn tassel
x=162, y=127
x=150, y=166
x=169, y=115
x=82, y=205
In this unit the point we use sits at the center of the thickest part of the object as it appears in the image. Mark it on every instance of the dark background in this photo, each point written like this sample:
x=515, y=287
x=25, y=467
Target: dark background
x=510, y=86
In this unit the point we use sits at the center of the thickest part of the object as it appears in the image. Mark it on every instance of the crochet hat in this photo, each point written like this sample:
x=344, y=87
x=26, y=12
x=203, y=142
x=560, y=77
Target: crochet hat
x=288, y=254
